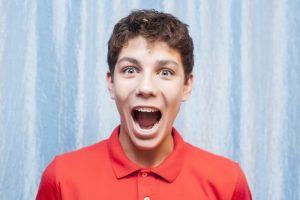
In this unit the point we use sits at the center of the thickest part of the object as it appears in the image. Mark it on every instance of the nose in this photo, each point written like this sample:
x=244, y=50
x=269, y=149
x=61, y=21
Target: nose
x=146, y=87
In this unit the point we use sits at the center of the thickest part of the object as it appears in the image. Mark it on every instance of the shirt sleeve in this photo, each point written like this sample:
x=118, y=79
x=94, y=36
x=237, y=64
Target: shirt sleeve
x=242, y=190
x=49, y=188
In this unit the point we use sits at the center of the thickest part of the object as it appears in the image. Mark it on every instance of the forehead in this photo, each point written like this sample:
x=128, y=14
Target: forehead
x=140, y=48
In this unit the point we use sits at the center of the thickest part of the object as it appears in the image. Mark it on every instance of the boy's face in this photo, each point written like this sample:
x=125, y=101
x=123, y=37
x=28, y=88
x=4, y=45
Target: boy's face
x=148, y=87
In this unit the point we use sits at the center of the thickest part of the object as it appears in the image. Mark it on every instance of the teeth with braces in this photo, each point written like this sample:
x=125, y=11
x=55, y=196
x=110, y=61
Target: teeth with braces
x=147, y=109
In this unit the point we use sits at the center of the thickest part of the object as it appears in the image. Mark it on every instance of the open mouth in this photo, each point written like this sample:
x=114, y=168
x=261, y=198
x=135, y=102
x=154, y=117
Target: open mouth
x=146, y=118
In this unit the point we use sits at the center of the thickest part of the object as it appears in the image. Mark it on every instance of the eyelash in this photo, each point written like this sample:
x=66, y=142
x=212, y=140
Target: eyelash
x=126, y=69
x=134, y=69
x=170, y=73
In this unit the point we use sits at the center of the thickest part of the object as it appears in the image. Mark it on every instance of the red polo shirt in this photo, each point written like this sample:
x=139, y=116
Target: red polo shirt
x=102, y=171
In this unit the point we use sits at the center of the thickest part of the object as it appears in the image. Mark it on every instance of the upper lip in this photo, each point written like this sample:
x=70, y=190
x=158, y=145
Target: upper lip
x=146, y=108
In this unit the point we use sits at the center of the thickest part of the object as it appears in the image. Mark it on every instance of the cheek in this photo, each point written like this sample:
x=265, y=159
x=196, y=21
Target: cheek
x=123, y=89
x=172, y=91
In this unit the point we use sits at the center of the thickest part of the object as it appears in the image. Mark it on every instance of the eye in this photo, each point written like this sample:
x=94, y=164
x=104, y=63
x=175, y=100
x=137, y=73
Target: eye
x=129, y=70
x=165, y=73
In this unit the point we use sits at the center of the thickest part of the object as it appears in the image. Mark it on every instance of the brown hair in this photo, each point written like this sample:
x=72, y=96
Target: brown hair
x=154, y=26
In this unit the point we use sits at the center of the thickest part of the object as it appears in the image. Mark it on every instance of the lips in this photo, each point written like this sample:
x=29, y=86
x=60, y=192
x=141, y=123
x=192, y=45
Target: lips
x=146, y=117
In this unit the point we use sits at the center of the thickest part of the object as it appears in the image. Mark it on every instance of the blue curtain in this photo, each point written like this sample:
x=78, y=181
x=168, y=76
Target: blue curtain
x=245, y=104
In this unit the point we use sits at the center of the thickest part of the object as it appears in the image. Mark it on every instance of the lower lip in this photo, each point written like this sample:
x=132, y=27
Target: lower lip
x=145, y=133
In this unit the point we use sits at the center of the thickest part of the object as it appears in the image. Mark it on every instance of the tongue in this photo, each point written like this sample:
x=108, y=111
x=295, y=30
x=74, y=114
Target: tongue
x=147, y=119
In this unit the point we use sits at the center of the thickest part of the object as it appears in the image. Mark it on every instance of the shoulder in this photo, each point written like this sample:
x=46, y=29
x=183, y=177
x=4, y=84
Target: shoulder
x=82, y=160
x=71, y=167
x=196, y=156
x=221, y=173
x=84, y=154
x=77, y=161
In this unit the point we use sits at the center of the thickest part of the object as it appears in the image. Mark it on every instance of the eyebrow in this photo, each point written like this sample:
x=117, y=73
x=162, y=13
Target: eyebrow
x=128, y=59
x=165, y=62
x=158, y=63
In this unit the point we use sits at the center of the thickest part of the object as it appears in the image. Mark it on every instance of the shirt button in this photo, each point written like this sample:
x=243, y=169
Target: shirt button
x=147, y=198
x=144, y=174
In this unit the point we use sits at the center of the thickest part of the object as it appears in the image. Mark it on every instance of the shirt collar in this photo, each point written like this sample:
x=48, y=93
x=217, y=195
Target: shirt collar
x=169, y=169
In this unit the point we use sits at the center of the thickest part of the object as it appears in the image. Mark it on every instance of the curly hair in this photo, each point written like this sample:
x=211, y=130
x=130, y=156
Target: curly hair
x=153, y=26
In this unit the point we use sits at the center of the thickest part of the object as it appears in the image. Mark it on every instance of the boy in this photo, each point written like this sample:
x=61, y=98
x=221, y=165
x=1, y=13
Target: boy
x=150, y=57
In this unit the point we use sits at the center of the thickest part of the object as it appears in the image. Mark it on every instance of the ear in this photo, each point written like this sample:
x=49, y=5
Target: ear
x=110, y=85
x=188, y=86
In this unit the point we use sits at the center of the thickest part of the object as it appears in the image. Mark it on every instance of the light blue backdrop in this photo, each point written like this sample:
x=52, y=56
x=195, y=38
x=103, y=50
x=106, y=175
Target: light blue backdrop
x=245, y=104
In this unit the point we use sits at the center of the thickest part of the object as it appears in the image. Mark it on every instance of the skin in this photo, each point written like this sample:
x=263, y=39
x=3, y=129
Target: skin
x=152, y=76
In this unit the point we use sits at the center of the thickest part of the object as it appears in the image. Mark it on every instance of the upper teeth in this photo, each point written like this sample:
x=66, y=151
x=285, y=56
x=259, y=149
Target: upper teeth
x=146, y=109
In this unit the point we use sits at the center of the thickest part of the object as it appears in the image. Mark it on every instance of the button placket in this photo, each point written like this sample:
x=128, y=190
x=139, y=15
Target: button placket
x=145, y=182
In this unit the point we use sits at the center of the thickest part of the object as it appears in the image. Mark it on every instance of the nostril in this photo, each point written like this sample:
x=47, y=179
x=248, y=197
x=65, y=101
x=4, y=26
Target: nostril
x=146, y=90
x=146, y=86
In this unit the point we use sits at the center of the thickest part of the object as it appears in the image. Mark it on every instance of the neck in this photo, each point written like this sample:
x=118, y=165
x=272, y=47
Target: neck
x=146, y=158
